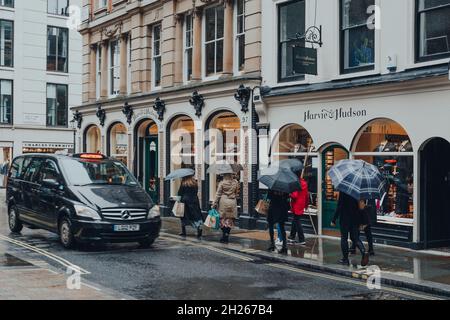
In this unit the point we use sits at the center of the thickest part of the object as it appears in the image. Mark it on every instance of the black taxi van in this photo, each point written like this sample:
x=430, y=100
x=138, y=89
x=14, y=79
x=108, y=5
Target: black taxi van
x=83, y=198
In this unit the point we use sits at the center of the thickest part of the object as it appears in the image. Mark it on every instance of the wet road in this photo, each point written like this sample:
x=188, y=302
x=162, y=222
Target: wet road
x=184, y=269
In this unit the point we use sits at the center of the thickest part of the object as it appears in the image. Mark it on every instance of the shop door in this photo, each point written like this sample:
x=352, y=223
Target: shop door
x=330, y=156
x=151, y=176
x=435, y=191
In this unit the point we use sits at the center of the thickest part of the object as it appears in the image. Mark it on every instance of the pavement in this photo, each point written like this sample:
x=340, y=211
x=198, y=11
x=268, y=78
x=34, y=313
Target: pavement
x=426, y=271
x=33, y=265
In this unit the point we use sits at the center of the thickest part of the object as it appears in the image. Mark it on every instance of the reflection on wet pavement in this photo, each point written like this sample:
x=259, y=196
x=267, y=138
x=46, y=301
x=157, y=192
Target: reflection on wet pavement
x=8, y=260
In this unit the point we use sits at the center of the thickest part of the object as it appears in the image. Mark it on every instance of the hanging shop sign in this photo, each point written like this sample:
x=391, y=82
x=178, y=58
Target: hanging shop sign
x=305, y=60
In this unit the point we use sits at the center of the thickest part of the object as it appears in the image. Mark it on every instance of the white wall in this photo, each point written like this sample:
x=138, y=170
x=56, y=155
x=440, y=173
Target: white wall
x=30, y=74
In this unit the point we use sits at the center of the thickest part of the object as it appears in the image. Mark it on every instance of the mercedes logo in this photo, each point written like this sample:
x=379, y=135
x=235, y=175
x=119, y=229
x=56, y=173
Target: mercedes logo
x=126, y=215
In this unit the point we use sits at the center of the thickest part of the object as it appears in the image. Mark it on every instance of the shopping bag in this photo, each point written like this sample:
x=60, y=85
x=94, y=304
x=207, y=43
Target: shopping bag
x=178, y=209
x=213, y=220
x=262, y=207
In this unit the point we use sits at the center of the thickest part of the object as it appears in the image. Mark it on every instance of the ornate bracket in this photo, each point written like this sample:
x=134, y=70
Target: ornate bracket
x=198, y=102
x=243, y=96
x=78, y=118
x=127, y=110
x=101, y=115
x=160, y=108
x=312, y=35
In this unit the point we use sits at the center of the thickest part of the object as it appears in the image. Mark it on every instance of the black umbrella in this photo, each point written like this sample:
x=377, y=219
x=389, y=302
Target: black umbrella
x=180, y=173
x=280, y=179
x=294, y=165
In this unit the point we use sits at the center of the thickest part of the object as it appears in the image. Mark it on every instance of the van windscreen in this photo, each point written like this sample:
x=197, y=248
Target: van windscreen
x=82, y=172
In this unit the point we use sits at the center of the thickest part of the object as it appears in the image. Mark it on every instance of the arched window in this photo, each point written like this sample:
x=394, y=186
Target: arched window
x=93, y=142
x=294, y=141
x=224, y=137
x=385, y=144
x=182, y=148
x=118, y=142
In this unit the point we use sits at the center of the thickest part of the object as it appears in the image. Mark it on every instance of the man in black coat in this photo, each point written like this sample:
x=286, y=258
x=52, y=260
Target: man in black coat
x=349, y=217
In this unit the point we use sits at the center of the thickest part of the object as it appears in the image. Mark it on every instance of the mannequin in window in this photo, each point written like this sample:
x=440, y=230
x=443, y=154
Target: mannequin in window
x=405, y=146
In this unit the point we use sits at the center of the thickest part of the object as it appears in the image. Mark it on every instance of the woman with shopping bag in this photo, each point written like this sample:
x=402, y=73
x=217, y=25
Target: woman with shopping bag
x=226, y=203
x=188, y=194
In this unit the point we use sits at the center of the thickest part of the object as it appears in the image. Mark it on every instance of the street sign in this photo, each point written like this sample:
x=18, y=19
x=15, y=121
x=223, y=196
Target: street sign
x=305, y=60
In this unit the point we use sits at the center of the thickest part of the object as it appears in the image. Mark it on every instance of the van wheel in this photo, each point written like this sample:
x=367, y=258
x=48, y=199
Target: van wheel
x=147, y=243
x=65, y=234
x=15, y=225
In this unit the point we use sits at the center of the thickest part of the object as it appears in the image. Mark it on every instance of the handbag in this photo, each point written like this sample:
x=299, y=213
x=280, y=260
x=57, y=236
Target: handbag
x=262, y=207
x=213, y=220
x=178, y=209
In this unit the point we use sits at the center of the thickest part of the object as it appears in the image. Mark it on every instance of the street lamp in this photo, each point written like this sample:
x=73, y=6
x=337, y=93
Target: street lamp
x=73, y=126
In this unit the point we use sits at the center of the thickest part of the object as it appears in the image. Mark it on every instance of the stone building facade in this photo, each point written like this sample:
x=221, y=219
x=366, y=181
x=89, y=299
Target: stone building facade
x=161, y=80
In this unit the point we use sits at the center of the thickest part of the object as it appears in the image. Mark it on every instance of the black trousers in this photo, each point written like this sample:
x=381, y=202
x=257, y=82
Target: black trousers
x=369, y=237
x=297, y=229
x=283, y=233
x=353, y=232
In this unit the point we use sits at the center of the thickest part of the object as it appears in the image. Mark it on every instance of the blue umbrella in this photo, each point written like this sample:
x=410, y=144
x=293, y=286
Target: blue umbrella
x=358, y=179
x=180, y=173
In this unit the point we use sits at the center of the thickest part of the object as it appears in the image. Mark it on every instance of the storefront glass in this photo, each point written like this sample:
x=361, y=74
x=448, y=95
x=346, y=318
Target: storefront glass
x=182, y=148
x=5, y=162
x=118, y=143
x=294, y=142
x=385, y=144
x=224, y=136
x=93, y=140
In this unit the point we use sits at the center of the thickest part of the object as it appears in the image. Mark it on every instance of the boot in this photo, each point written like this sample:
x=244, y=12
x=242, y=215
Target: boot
x=225, y=236
x=365, y=260
x=283, y=250
x=272, y=246
x=183, y=231
x=199, y=233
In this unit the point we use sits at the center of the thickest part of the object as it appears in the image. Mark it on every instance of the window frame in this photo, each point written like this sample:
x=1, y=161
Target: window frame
x=111, y=68
x=280, y=79
x=5, y=6
x=68, y=51
x=12, y=102
x=98, y=71
x=237, y=36
x=67, y=105
x=156, y=56
x=342, y=47
x=186, y=78
x=66, y=14
x=215, y=74
x=12, y=44
x=417, y=43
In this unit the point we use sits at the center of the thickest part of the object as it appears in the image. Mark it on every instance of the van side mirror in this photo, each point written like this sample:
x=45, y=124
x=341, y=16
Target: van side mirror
x=50, y=184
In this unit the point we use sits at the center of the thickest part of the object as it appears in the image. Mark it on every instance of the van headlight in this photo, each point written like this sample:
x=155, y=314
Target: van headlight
x=86, y=212
x=154, y=212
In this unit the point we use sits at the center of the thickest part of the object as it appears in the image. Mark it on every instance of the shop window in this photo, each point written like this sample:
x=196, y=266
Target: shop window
x=291, y=17
x=385, y=144
x=6, y=43
x=57, y=49
x=118, y=143
x=357, y=36
x=57, y=105
x=6, y=101
x=294, y=142
x=433, y=29
x=214, y=32
x=224, y=137
x=93, y=140
x=182, y=148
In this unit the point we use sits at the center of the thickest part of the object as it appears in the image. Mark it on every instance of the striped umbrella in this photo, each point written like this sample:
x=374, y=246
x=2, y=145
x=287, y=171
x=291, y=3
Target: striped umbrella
x=358, y=179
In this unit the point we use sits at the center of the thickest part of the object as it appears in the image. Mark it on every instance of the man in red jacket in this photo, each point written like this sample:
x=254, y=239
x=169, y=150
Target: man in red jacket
x=299, y=203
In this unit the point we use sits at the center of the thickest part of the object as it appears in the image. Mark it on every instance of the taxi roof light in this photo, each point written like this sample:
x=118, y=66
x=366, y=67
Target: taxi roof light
x=91, y=156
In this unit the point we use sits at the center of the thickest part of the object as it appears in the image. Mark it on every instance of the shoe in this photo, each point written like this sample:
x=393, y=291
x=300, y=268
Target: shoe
x=372, y=253
x=365, y=260
x=302, y=243
x=344, y=262
x=291, y=238
x=291, y=241
x=283, y=250
x=271, y=248
x=183, y=234
x=225, y=239
x=199, y=233
x=278, y=242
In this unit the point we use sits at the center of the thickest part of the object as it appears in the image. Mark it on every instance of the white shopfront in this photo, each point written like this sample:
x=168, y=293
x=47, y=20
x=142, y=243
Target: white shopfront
x=389, y=127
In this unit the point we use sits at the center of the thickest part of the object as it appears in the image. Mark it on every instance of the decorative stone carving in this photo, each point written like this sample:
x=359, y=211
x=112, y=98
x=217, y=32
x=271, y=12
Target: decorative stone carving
x=101, y=115
x=198, y=102
x=127, y=110
x=78, y=118
x=160, y=108
x=243, y=95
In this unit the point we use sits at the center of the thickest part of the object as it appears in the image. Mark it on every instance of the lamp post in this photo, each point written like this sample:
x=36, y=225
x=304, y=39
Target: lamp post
x=73, y=126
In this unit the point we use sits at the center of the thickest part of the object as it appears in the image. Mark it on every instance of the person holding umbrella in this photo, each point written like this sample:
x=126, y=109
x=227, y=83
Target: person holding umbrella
x=356, y=180
x=281, y=182
x=188, y=194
